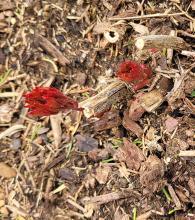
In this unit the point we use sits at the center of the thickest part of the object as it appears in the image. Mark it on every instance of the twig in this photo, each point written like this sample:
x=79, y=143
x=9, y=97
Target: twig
x=160, y=41
x=102, y=199
x=145, y=16
x=185, y=33
x=187, y=153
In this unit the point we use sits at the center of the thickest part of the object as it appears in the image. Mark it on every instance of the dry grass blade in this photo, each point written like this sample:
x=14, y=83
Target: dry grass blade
x=12, y=130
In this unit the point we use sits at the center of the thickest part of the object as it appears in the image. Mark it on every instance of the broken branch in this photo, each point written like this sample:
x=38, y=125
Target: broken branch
x=160, y=42
x=100, y=103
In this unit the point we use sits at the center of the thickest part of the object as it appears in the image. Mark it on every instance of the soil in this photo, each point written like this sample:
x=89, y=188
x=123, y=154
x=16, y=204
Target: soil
x=135, y=160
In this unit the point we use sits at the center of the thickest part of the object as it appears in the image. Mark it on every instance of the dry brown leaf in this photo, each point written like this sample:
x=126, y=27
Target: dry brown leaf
x=130, y=154
x=7, y=171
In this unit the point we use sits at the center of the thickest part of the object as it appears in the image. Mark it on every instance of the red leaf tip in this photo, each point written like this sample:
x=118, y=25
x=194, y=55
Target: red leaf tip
x=136, y=74
x=45, y=101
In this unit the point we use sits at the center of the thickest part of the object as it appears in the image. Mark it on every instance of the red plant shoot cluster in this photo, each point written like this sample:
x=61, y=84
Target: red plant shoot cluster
x=45, y=101
x=137, y=75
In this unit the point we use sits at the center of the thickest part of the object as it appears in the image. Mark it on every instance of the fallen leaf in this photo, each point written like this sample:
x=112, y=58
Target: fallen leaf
x=85, y=143
x=151, y=173
x=170, y=124
x=130, y=154
x=7, y=171
x=131, y=125
x=102, y=173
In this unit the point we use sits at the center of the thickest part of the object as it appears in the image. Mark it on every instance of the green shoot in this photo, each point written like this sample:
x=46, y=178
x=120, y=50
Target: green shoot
x=166, y=193
x=138, y=142
x=108, y=160
x=134, y=213
x=3, y=76
x=193, y=93
x=69, y=148
x=35, y=131
x=172, y=211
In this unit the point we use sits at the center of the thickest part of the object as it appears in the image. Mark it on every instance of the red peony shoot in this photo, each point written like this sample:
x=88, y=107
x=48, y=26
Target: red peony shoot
x=45, y=101
x=136, y=74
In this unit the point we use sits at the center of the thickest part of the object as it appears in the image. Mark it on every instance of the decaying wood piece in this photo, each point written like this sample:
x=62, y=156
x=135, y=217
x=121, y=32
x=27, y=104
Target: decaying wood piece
x=103, y=199
x=51, y=49
x=112, y=94
x=160, y=42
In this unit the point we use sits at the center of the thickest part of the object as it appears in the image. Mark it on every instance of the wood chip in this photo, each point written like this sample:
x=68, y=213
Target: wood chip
x=131, y=125
x=174, y=197
x=152, y=100
x=102, y=199
x=152, y=172
x=130, y=154
x=51, y=49
x=56, y=128
x=109, y=120
x=7, y=171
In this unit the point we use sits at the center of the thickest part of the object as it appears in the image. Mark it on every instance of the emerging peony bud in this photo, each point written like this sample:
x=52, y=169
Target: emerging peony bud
x=137, y=75
x=45, y=101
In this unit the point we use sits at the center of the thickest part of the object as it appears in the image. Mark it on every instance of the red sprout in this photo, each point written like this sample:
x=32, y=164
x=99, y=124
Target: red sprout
x=137, y=75
x=45, y=101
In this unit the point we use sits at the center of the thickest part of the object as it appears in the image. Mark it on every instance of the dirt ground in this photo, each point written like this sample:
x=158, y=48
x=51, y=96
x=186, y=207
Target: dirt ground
x=134, y=161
